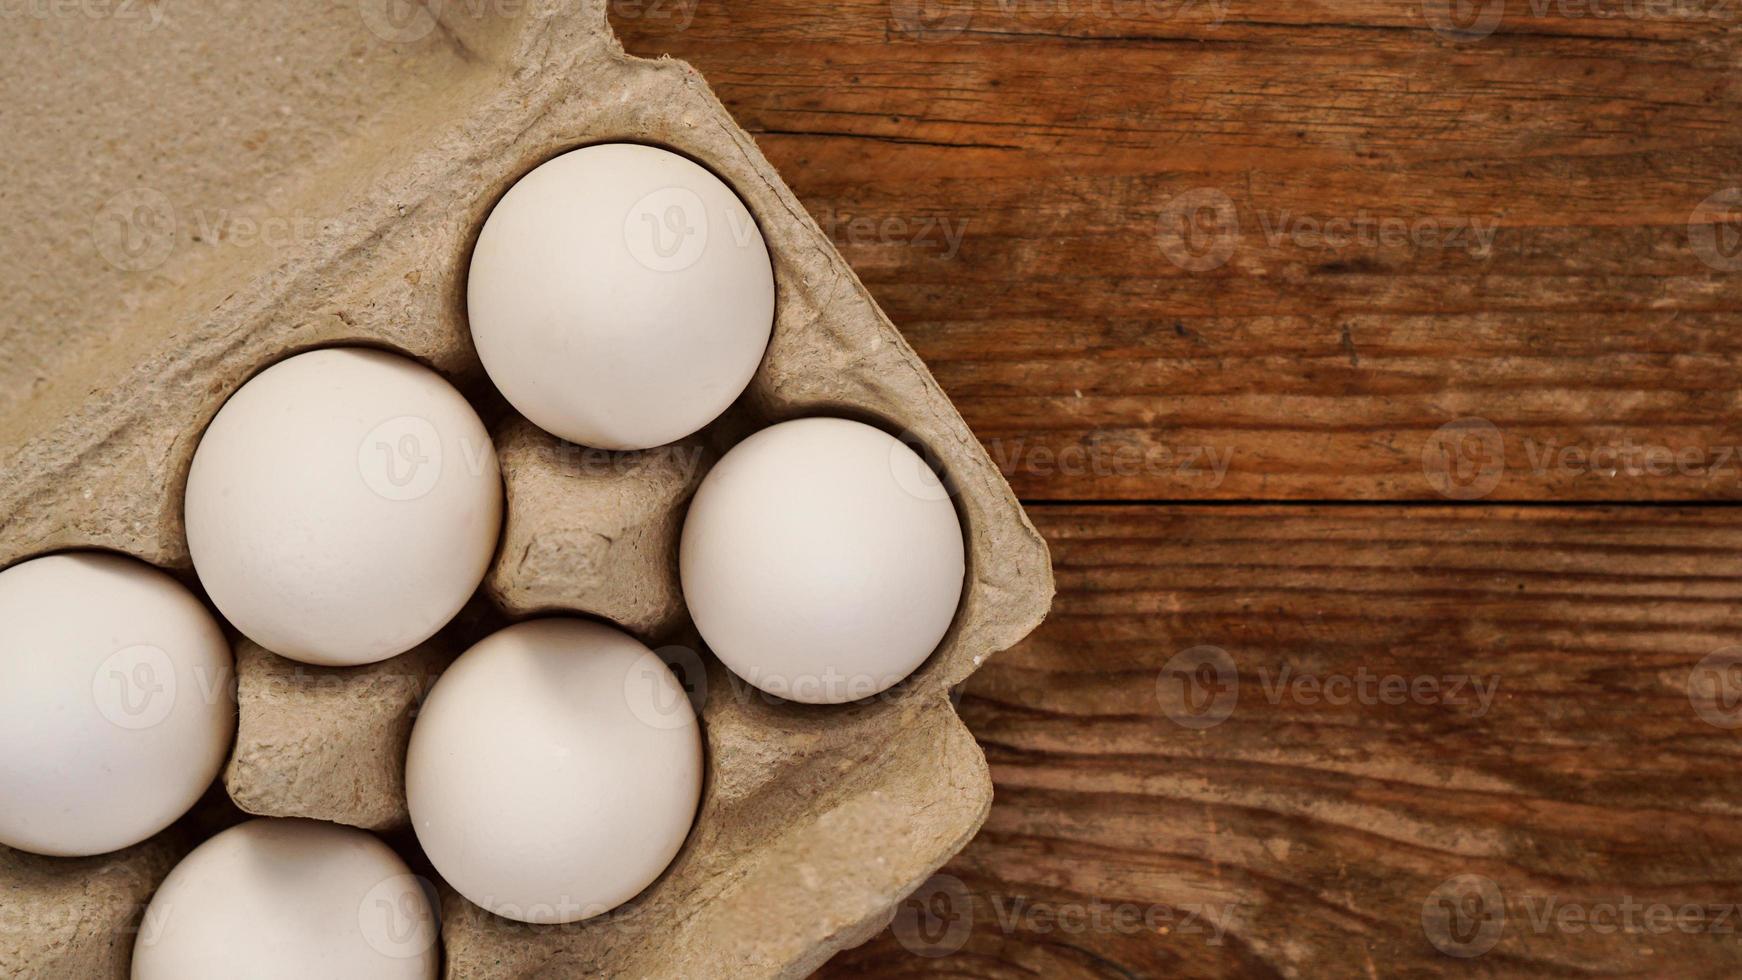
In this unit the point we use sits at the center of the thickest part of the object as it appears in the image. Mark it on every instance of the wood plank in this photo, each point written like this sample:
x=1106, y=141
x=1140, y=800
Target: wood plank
x=1303, y=834
x=1514, y=242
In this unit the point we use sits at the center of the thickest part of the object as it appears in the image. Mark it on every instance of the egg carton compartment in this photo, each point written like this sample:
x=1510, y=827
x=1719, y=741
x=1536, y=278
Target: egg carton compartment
x=593, y=531
x=77, y=917
x=815, y=820
x=328, y=743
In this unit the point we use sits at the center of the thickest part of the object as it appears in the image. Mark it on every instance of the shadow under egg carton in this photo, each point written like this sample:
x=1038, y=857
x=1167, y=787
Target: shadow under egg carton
x=816, y=820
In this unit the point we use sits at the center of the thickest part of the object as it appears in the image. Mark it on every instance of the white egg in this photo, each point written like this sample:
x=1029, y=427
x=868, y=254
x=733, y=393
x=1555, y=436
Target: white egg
x=116, y=703
x=288, y=900
x=621, y=296
x=343, y=505
x=554, y=771
x=822, y=560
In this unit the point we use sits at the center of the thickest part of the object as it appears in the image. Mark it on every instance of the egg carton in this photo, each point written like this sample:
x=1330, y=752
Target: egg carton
x=816, y=820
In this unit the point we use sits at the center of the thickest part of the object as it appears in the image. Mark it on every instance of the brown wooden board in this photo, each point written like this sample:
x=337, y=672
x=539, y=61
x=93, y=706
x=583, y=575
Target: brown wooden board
x=1432, y=260
x=1260, y=741
x=1422, y=227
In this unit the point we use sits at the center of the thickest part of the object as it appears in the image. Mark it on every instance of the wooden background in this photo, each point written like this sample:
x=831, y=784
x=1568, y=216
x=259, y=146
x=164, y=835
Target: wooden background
x=1371, y=368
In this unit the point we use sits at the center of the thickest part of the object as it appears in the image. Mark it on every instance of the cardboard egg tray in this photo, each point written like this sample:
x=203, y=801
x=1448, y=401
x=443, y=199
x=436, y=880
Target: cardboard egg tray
x=816, y=820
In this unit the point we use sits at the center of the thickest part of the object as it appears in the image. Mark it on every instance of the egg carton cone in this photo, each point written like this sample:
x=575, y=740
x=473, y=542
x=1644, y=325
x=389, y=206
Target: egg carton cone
x=251, y=182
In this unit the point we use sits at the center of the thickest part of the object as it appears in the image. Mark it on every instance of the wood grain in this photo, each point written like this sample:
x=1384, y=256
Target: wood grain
x=1510, y=223
x=1232, y=252
x=1300, y=837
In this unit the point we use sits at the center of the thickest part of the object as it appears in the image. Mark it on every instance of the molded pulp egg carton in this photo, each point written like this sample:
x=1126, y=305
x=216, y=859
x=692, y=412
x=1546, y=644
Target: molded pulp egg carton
x=816, y=821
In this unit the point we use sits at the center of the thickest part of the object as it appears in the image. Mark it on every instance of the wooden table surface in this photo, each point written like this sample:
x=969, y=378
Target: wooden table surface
x=1371, y=367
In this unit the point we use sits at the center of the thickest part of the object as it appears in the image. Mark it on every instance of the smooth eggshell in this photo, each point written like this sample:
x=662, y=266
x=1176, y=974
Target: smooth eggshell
x=343, y=505
x=822, y=560
x=554, y=770
x=288, y=900
x=117, y=703
x=620, y=296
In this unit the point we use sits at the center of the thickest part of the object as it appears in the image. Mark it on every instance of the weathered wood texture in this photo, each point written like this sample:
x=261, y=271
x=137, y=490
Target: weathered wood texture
x=1557, y=753
x=1508, y=225
x=1240, y=251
